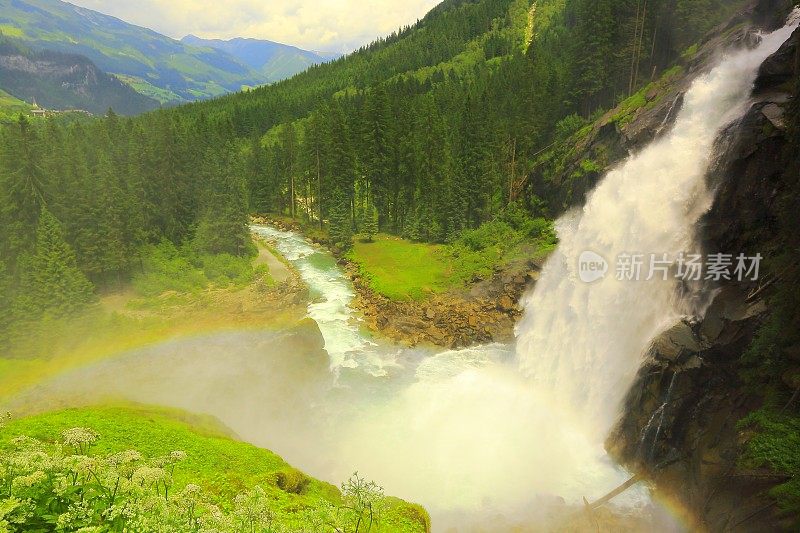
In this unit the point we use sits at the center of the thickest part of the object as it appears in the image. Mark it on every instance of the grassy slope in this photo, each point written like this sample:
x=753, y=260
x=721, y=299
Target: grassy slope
x=11, y=107
x=401, y=269
x=146, y=88
x=221, y=466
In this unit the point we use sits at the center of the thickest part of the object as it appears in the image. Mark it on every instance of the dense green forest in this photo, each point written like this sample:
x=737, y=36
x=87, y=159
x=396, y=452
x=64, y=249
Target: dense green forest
x=438, y=127
x=435, y=128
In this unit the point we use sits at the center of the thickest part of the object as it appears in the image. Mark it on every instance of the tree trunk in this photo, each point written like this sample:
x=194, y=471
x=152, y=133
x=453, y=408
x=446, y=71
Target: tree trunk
x=292, y=208
x=633, y=49
x=319, y=193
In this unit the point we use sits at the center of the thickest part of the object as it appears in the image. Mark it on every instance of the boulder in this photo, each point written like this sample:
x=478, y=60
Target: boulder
x=678, y=340
x=775, y=114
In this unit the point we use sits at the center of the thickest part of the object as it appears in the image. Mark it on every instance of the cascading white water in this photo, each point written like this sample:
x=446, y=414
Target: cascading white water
x=582, y=342
x=331, y=303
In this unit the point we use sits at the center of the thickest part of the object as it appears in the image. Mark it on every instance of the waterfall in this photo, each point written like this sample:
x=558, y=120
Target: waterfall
x=582, y=343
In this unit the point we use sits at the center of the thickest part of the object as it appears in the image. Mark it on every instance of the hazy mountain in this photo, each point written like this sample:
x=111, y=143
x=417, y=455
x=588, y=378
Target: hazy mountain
x=275, y=61
x=65, y=81
x=151, y=63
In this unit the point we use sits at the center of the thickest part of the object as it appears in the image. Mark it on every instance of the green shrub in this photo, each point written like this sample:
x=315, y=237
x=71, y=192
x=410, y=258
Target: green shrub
x=169, y=268
x=226, y=269
x=569, y=125
x=291, y=480
x=476, y=253
x=495, y=233
x=774, y=445
x=165, y=268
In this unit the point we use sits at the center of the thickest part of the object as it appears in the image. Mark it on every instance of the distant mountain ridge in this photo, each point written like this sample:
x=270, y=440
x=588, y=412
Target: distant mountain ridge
x=275, y=61
x=154, y=65
x=65, y=81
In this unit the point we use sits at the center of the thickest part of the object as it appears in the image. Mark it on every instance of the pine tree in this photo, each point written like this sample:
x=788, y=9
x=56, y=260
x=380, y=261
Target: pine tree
x=51, y=282
x=340, y=221
x=257, y=182
x=223, y=226
x=593, y=46
x=22, y=189
x=315, y=155
x=369, y=226
x=288, y=145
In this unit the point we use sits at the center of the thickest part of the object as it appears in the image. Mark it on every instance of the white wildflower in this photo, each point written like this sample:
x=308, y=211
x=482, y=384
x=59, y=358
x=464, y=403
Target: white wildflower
x=124, y=458
x=26, y=482
x=80, y=438
x=177, y=456
x=148, y=475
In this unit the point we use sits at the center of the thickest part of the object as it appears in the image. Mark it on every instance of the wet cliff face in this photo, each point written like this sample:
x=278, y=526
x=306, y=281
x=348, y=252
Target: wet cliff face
x=682, y=420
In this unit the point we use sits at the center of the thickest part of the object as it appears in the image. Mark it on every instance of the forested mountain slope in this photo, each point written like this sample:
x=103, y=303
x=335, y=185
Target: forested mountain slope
x=64, y=81
x=437, y=126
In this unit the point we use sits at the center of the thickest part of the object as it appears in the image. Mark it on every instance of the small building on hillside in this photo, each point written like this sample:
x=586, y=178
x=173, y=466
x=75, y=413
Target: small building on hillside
x=37, y=111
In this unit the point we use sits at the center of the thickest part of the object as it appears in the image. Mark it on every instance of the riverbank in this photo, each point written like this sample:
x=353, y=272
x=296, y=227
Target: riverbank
x=480, y=310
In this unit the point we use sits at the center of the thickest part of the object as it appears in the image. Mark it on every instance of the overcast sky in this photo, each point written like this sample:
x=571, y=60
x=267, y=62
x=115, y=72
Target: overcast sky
x=329, y=25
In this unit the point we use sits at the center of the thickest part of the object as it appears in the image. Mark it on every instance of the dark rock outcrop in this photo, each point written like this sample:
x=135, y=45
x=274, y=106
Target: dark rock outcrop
x=680, y=422
x=779, y=68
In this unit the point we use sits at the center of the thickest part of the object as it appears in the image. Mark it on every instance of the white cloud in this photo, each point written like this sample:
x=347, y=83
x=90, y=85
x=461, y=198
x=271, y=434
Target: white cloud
x=331, y=25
